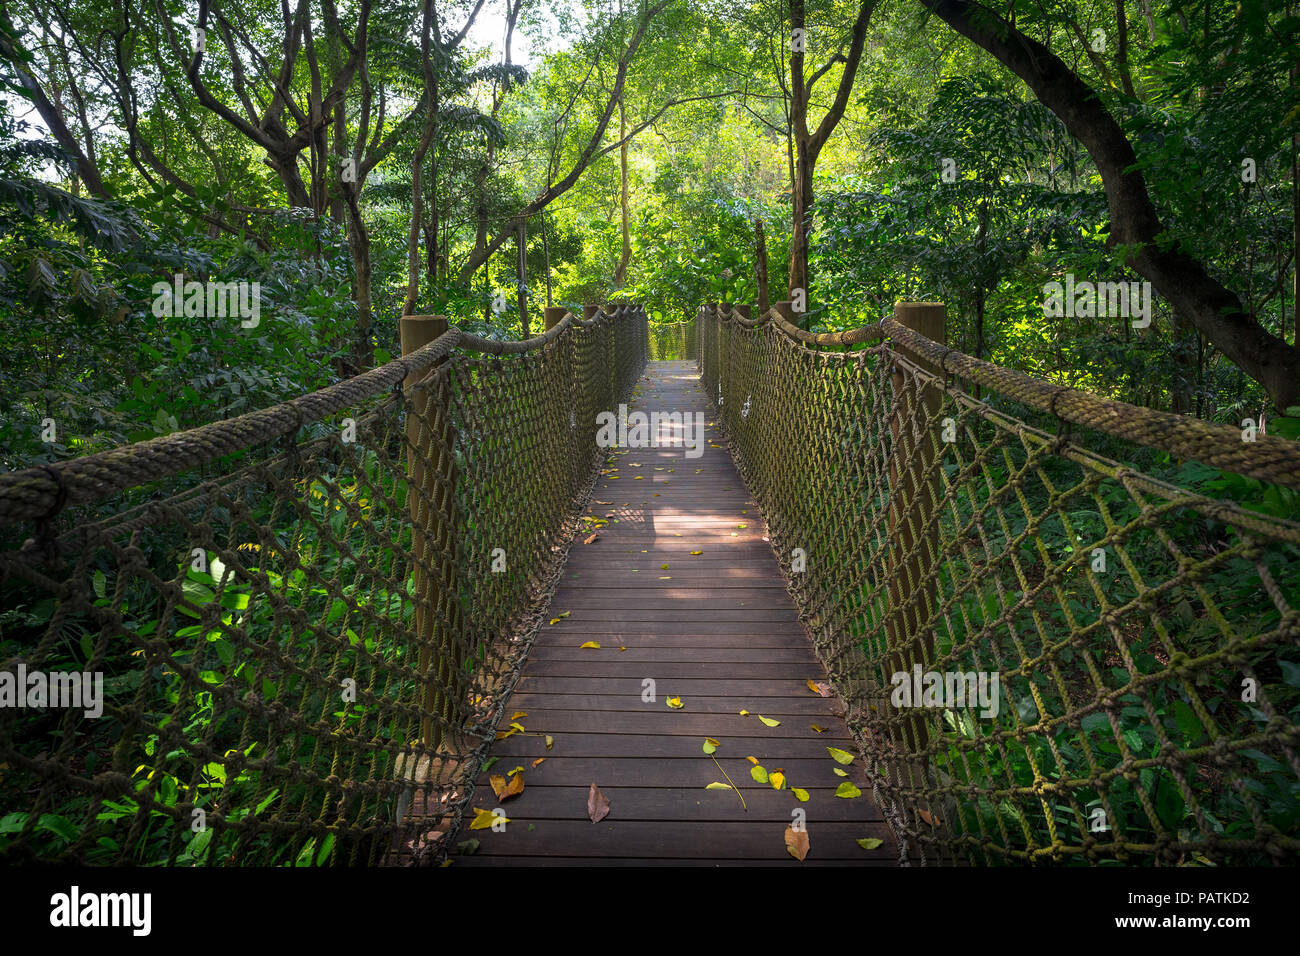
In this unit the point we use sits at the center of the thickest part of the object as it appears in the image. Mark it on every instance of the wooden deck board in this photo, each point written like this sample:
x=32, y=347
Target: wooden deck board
x=723, y=634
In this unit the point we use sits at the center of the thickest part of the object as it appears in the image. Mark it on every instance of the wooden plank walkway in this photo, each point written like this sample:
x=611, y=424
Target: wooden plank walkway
x=718, y=630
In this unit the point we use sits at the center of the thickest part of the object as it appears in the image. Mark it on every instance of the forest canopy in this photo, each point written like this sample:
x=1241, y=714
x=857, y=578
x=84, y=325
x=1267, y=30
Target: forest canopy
x=352, y=162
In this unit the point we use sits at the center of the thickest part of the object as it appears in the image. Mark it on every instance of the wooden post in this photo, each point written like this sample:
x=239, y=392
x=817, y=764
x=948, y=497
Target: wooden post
x=746, y=310
x=589, y=311
x=913, y=500
x=430, y=470
x=552, y=316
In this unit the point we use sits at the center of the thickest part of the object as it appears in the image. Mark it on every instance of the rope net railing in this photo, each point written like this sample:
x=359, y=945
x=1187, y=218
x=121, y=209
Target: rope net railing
x=1046, y=655
x=673, y=342
x=286, y=638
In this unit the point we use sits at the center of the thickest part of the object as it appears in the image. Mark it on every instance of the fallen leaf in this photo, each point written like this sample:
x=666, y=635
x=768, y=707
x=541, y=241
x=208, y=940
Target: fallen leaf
x=925, y=815
x=675, y=703
x=838, y=772
x=595, y=645
x=777, y=779
x=718, y=786
x=841, y=756
x=622, y=648
x=549, y=740
x=517, y=726
x=467, y=848
x=483, y=819
x=870, y=843
x=744, y=713
x=597, y=805
x=758, y=773
x=753, y=760
x=592, y=537
x=710, y=745
x=848, y=790
x=517, y=714
x=697, y=552
x=515, y=771
x=796, y=843
x=812, y=685
x=769, y=721
x=537, y=761
x=801, y=793
x=663, y=567
x=819, y=728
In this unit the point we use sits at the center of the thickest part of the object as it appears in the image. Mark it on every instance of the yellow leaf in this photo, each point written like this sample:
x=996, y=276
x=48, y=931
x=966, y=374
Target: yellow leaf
x=718, y=786
x=848, y=790
x=769, y=721
x=622, y=648
x=800, y=793
x=744, y=713
x=549, y=740
x=777, y=780
x=870, y=843
x=515, y=771
x=483, y=819
x=663, y=567
x=517, y=726
x=839, y=773
x=675, y=703
x=753, y=760
x=812, y=685
x=819, y=728
x=697, y=552
x=517, y=714
x=841, y=756
x=710, y=745
x=592, y=644
x=537, y=761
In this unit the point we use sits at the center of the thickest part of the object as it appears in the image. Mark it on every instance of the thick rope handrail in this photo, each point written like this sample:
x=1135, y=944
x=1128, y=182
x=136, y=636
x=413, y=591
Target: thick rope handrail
x=1266, y=458
x=41, y=492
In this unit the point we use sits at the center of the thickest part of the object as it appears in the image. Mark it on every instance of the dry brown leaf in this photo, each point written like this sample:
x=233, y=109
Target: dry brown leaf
x=597, y=804
x=592, y=538
x=796, y=843
x=515, y=789
x=537, y=761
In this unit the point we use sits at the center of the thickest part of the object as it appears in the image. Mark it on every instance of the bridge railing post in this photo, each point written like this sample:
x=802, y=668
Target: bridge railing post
x=913, y=553
x=431, y=488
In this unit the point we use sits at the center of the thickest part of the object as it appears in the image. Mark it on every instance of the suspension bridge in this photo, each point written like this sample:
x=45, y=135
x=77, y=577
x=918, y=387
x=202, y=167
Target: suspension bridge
x=905, y=607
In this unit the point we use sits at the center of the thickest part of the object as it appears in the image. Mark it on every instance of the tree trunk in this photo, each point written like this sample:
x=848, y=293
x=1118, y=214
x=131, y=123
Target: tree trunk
x=760, y=267
x=620, y=274
x=521, y=242
x=1192, y=292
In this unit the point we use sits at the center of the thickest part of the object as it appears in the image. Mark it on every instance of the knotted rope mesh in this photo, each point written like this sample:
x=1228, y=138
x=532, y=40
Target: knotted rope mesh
x=672, y=342
x=306, y=620
x=1145, y=640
